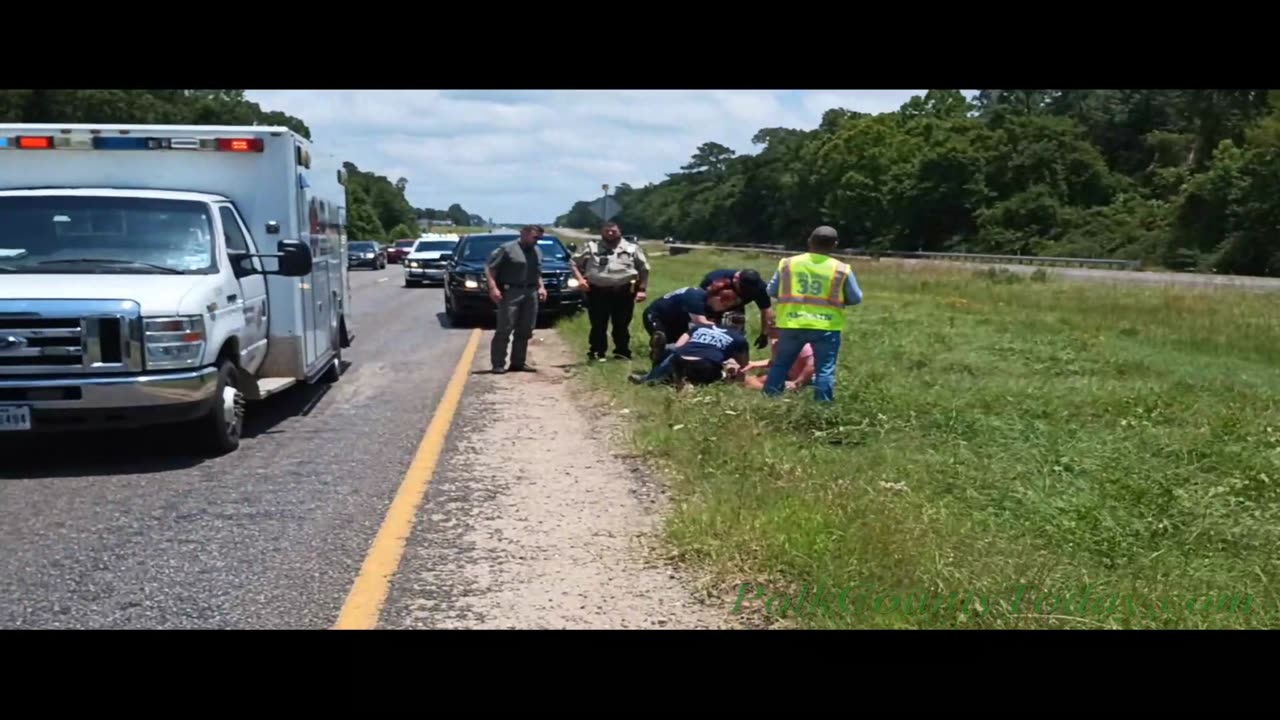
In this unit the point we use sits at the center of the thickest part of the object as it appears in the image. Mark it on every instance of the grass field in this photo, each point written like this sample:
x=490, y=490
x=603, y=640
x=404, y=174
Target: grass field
x=455, y=230
x=1003, y=452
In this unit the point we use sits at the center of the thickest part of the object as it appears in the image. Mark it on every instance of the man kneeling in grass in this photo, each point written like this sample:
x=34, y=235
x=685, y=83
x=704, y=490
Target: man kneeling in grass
x=706, y=354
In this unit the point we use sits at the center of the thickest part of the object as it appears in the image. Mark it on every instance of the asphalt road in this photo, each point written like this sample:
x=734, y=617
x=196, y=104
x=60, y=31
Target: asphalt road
x=118, y=531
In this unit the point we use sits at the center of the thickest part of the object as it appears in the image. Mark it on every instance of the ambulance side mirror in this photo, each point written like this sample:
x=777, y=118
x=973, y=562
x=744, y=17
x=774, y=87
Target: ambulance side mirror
x=295, y=258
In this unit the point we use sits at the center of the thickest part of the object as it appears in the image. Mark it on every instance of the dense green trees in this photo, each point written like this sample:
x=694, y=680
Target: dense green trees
x=1186, y=179
x=376, y=205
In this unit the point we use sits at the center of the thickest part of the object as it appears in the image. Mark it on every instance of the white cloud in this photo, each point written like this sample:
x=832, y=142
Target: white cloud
x=527, y=155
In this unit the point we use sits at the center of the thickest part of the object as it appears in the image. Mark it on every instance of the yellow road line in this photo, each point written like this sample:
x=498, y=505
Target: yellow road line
x=369, y=591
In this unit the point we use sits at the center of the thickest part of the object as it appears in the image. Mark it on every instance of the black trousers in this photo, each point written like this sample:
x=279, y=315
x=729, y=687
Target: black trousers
x=606, y=305
x=652, y=324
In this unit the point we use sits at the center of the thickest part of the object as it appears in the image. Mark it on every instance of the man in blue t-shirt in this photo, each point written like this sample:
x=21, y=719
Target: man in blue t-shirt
x=699, y=355
x=669, y=317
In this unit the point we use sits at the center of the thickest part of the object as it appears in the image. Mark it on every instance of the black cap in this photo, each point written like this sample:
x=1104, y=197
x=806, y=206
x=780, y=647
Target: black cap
x=751, y=282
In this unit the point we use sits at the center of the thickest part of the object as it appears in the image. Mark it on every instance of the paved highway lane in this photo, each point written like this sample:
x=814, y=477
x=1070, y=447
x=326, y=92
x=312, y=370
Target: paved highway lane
x=118, y=531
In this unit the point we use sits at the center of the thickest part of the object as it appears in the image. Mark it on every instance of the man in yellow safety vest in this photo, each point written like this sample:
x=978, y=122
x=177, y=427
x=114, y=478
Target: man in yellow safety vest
x=812, y=290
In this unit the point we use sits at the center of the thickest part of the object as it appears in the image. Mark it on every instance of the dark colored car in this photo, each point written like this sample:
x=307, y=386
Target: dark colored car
x=466, y=292
x=399, y=249
x=362, y=253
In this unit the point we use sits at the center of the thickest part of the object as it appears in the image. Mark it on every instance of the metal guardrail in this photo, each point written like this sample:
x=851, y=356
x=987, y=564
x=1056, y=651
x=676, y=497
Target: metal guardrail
x=681, y=248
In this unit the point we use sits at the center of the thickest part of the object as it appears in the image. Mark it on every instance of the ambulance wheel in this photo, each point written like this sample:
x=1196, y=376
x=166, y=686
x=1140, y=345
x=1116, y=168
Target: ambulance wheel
x=219, y=431
x=334, y=371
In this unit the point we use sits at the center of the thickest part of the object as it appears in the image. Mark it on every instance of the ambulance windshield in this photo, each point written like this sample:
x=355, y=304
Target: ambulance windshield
x=100, y=234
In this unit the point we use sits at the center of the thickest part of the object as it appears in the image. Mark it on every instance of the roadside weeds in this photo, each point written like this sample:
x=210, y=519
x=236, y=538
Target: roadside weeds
x=992, y=433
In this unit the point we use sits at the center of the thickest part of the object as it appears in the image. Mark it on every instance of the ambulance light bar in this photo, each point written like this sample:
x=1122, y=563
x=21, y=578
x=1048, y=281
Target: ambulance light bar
x=100, y=142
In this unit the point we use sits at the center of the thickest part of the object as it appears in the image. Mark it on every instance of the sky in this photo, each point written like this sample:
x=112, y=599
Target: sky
x=528, y=155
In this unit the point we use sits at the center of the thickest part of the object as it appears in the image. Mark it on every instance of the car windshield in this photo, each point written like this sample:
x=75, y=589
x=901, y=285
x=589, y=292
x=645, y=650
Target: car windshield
x=362, y=247
x=434, y=246
x=479, y=248
x=86, y=234
x=552, y=249
x=405, y=244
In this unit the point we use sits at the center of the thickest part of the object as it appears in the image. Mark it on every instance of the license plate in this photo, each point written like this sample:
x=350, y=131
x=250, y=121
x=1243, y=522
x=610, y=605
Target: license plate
x=15, y=417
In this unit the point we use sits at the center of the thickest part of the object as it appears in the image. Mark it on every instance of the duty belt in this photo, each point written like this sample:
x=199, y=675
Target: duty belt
x=519, y=286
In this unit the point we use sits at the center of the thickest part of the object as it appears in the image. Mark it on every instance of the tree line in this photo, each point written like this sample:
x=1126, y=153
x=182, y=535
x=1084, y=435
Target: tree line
x=377, y=208
x=1181, y=179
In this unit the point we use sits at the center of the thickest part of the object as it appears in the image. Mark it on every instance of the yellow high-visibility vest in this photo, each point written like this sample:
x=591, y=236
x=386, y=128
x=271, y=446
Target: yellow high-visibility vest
x=811, y=292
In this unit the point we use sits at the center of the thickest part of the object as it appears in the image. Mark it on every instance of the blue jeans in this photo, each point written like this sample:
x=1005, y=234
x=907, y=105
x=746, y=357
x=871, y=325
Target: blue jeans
x=662, y=370
x=700, y=371
x=826, y=348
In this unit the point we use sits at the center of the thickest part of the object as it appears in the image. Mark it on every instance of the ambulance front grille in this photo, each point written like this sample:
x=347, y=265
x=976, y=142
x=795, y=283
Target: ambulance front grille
x=44, y=342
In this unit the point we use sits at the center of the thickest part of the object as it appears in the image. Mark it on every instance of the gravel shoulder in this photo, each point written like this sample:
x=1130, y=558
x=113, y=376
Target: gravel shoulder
x=535, y=521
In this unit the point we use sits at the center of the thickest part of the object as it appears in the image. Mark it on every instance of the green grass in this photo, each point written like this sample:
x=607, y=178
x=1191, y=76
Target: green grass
x=455, y=230
x=991, y=432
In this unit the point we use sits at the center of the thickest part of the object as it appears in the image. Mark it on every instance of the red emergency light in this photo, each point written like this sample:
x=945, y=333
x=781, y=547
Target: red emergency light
x=240, y=144
x=35, y=143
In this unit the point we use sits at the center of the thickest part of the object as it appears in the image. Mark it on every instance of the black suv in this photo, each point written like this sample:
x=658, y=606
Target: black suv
x=466, y=291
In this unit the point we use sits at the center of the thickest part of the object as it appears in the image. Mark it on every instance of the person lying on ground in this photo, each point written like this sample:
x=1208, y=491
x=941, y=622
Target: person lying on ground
x=670, y=316
x=801, y=372
x=751, y=288
x=700, y=357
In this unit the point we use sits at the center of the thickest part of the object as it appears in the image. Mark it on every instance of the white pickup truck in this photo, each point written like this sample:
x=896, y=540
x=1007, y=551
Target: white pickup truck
x=154, y=274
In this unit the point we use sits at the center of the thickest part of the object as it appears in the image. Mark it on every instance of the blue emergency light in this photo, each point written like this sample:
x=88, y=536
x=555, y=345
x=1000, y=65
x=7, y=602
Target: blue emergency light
x=121, y=143
x=4, y=142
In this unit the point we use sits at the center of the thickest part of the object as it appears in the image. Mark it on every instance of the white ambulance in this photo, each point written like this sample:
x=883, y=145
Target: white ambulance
x=154, y=274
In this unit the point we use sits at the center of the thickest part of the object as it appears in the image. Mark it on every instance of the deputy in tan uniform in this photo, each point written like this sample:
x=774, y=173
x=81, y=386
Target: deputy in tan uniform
x=617, y=277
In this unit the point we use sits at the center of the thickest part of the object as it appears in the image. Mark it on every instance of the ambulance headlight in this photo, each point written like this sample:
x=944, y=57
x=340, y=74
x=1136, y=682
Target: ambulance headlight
x=174, y=342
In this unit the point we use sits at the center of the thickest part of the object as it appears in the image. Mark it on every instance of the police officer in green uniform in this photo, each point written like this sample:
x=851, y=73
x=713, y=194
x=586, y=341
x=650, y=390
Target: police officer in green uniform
x=514, y=271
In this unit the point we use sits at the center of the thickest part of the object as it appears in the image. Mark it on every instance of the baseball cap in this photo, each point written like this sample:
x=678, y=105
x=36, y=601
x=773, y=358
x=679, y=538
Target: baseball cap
x=751, y=281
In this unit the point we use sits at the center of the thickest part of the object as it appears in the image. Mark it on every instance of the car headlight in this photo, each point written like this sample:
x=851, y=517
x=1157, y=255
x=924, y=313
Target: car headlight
x=414, y=263
x=174, y=342
x=471, y=281
x=571, y=282
x=368, y=255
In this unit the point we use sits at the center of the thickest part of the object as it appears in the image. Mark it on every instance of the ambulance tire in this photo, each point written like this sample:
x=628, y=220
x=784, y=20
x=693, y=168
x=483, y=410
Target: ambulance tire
x=218, y=434
x=334, y=372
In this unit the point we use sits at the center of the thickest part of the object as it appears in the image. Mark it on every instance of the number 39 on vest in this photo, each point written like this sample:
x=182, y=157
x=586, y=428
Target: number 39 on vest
x=811, y=292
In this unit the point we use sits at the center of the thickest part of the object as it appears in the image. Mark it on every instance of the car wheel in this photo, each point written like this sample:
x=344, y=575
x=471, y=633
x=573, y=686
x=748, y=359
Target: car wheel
x=456, y=319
